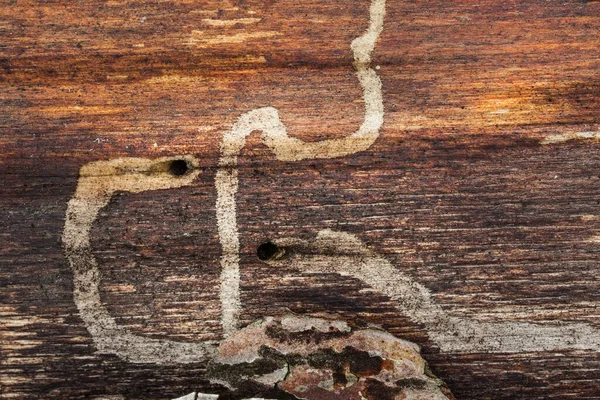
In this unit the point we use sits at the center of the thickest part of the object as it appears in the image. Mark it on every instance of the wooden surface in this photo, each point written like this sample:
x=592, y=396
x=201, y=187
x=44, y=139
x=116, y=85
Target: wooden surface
x=481, y=186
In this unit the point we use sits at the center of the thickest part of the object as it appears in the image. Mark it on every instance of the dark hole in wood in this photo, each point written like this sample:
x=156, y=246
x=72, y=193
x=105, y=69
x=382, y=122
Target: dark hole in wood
x=178, y=167
x=267, y=250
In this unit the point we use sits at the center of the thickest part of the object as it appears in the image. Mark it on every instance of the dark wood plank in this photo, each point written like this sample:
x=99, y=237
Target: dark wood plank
x=482, y=185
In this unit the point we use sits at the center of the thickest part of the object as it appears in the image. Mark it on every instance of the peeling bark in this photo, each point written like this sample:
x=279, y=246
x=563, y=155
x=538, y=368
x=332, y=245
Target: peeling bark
x=317, y=359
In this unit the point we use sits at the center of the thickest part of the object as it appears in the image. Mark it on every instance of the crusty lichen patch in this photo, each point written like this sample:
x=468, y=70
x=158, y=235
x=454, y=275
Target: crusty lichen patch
x=311, y=358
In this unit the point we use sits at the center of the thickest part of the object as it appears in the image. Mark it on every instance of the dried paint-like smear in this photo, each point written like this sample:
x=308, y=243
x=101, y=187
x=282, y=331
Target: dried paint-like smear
x=313, y=358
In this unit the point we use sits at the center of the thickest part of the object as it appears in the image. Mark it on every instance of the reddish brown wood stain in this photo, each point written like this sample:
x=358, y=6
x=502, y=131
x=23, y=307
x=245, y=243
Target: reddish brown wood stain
x=457, y=191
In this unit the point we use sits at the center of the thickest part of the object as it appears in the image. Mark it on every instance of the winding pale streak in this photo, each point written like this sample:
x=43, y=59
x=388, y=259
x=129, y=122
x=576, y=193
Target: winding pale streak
x=98, y=181
x=565, y=137
x=344, y=254
x=286, y=148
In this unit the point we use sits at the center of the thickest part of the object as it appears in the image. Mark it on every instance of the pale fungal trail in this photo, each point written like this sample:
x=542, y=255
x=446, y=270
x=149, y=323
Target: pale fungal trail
x=344, y=254
x=565, y=137
x=286, y=148
x=99, y=180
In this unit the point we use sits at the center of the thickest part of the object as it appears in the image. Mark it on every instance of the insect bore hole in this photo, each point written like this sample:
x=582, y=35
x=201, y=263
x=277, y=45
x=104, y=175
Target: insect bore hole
x=178, y=167
x=268, y=251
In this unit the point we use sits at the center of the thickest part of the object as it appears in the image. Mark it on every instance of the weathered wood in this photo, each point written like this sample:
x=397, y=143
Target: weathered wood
x=482, y=185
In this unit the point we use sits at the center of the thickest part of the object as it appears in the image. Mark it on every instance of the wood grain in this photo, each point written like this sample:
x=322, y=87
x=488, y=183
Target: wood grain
x=458, y=191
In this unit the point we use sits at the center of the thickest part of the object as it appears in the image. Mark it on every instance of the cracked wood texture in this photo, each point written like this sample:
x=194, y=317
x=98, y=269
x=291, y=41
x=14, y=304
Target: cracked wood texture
x=483, y=185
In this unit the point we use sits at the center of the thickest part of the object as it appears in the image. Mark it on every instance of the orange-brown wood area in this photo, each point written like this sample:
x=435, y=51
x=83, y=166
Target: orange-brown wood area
x=483, y=184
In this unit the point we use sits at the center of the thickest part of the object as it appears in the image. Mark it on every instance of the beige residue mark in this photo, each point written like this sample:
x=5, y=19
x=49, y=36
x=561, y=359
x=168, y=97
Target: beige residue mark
x=97, y=183
x=593, y=239
x=565, y=137
x=230, y=22
x=86, y=110
x=344, y=254
x=286, y=148
x=203, y=80
x=203, y=38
